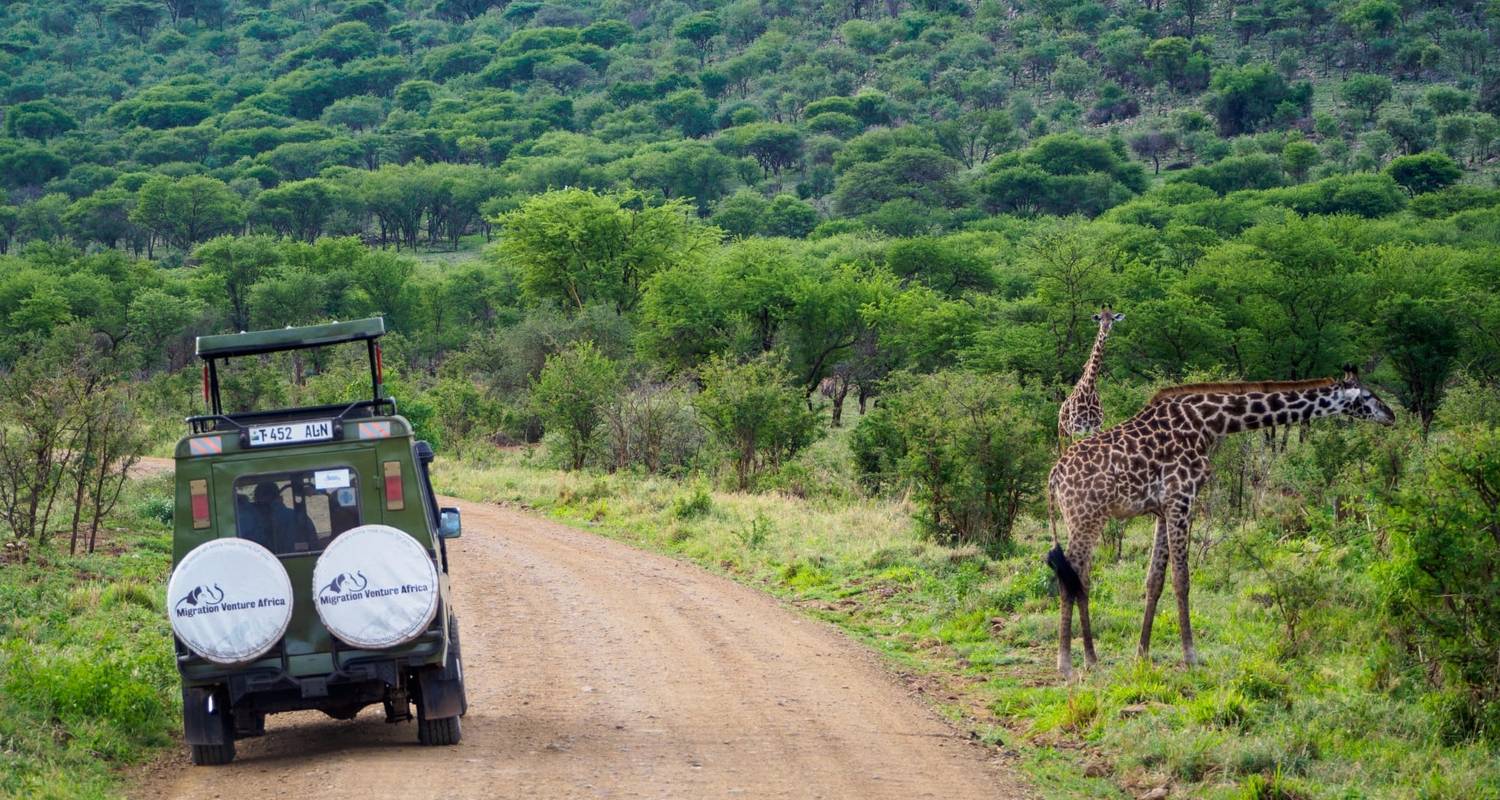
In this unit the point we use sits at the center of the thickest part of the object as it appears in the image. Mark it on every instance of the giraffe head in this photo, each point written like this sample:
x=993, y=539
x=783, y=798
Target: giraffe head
x=1361, y=403
x=1107, y=318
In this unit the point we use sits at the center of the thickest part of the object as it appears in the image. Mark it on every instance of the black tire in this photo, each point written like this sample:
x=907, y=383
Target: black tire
x=212, y=755
x=438, y=732
x=458, y=663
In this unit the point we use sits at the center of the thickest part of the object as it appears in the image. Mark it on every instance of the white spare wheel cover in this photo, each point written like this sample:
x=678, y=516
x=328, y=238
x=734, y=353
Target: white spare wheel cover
x=229, y=600
x=375, y=587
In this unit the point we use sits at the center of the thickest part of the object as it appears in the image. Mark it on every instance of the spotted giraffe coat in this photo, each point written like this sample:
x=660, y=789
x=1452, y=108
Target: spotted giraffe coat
x=1080, y=414
x=1156, y=462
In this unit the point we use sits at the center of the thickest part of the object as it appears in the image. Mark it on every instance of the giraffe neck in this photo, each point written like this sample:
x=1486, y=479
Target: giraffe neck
x=1096, y=359
x=1224, y=414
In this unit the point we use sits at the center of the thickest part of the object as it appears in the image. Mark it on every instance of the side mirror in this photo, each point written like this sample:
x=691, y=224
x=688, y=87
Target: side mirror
x=450, y=524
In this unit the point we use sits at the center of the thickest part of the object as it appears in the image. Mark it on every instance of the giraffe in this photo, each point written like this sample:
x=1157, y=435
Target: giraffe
x=1155, y=463
x=1080, y=414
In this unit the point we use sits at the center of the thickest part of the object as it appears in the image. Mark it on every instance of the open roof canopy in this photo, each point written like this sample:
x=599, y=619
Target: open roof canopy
x=249, y=343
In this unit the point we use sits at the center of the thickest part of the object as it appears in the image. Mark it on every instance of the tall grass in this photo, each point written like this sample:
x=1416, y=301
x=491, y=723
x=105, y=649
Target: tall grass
x=1265, y=717
x=87, y=678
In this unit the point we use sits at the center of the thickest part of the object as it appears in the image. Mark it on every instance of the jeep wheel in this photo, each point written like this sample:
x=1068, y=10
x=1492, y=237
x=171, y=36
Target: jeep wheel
x=438, y=732
x=212, y=755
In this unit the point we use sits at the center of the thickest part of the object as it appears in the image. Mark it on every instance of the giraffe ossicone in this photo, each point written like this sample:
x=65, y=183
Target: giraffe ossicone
x=1155, y=463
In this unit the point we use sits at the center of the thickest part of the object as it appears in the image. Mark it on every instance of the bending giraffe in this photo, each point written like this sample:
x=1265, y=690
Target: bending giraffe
x=1155, y=463
x=1080, y=414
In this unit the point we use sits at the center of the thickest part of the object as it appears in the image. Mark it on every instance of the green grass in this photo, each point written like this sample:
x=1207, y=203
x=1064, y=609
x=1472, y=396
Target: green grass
x=87, y=679
x=1264, y=717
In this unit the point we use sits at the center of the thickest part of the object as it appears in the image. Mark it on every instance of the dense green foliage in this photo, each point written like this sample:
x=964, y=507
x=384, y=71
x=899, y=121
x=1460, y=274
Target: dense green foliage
x=409, y=122
x=708, y=217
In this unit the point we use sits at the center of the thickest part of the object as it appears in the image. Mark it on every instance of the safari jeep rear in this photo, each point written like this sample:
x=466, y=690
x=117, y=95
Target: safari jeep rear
x=310, y=567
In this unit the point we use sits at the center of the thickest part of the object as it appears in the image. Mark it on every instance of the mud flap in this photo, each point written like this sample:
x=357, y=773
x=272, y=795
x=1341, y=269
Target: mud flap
x=442, y=690
x=441, y=697
x=206, y=717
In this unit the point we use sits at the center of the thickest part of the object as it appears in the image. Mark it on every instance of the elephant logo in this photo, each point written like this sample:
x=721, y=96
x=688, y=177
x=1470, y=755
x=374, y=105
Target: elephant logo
x=202, y=596
x=344, y=582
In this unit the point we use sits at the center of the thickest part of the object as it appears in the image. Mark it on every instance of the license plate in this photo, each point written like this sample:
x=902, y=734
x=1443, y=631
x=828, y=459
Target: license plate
x=314, y=431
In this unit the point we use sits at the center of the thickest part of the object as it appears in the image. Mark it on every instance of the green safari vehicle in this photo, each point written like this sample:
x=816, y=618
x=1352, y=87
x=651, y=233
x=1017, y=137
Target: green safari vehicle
x=310, y=561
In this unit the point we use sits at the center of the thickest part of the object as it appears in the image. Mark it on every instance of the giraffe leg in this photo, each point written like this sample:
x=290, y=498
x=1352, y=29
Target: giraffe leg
x=1083, y=535
x=1177, y=541
x=1089, y=659
x=1065, y=637
x=1156, y=577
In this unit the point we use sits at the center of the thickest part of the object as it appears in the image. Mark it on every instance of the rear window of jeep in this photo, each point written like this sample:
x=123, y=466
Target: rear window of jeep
x=296, y=512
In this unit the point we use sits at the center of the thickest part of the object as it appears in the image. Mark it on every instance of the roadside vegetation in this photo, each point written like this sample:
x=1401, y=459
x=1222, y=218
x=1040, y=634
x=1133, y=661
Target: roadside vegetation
x=87, y=678
x=1312, y=685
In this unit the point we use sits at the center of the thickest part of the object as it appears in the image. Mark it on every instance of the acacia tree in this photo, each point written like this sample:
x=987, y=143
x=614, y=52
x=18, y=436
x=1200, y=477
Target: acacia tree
x=578, y=247
x=700, y=29
x=187, y=211
x=231, y=266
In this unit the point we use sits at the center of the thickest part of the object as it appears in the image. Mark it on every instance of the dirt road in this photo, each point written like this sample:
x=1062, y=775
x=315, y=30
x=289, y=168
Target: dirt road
x=597, y=670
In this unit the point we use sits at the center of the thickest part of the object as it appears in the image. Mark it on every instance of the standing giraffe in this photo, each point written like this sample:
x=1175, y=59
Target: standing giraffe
x=1155, y=463
x=1080, y=414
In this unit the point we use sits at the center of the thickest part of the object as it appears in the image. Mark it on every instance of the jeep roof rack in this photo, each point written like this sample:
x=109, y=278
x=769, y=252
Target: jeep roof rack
x=228, y=345
x=222, y=347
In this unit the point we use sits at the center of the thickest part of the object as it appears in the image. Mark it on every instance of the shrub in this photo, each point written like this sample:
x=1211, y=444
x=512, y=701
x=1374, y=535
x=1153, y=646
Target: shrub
x=752, y=411
x=1442, y=583
x=694, y=504
x=967, y=446
x=654, y=426
x=570, y=396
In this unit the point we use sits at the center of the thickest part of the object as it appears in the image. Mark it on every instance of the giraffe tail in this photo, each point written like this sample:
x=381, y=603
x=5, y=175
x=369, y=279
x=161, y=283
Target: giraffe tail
x=1056, y=558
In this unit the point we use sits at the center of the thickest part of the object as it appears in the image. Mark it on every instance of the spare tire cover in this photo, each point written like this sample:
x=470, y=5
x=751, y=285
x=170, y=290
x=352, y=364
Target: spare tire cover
x=375, y=587
x=229, y=600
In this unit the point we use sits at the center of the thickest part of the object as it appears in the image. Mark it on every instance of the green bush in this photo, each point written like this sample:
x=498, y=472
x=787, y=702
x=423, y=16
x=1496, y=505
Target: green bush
x=1442, y=583
x=968, y=447
x=754, y=413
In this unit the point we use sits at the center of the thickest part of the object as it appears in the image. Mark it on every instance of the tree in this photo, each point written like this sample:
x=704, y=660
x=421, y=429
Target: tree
x=943, y=264
x=231, y=266
x=1367, y=92
x=741, y=214
x=1244, y=99
x=187, y=211
x=1298, y=157
x=103, y=217
x=465, y=10
x=921, y=175
x=579, y=247
x=773, y=145
x=37, y=119
x=1424, y=172
x=1153, y=144
x=1061, y=174
x=30, y=166
x=788, y=216
x=686, y=170
x=1440, y=588
x=299, y=209
x=699, y=29
x=571, y=395
x=753, y=413
x=1421, y=337
x=138, y=17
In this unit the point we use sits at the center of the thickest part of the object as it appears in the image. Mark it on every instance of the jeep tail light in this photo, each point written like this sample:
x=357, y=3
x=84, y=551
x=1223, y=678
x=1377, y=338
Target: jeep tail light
x=395, y=495
x=198, y=492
